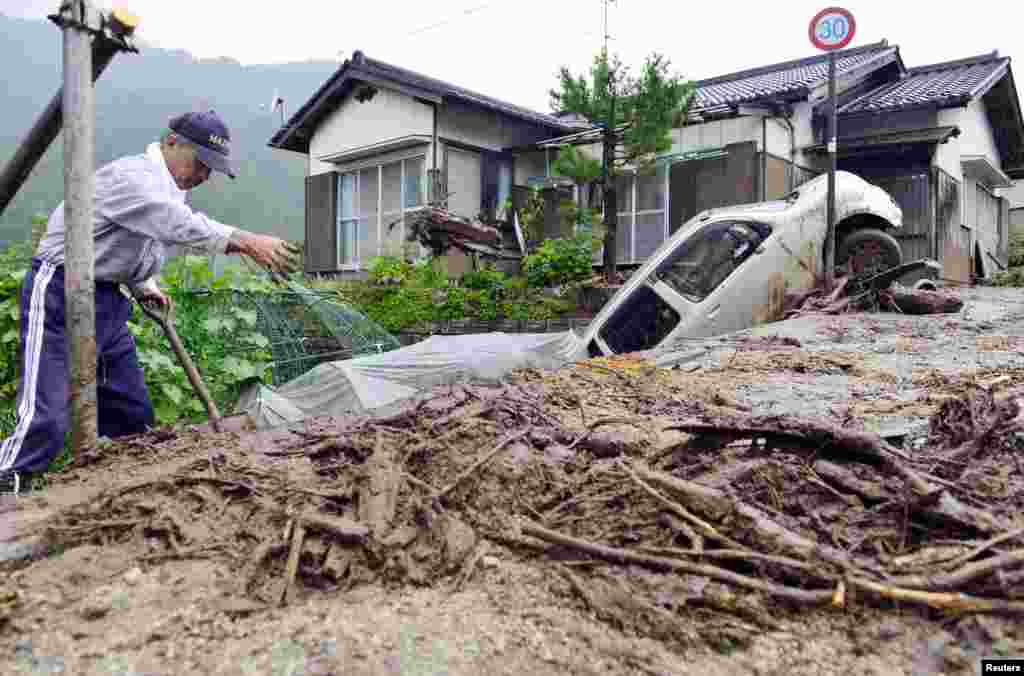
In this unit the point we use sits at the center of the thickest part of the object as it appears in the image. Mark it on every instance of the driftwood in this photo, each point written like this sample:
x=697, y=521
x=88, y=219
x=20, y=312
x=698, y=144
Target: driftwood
x=1000, y=424
x=625, y=558
x=378, y=492
x=860, y=444
x=844, y=478
x=921, y=301
x=943, y=601
x=702, y=526
x=768, y=535
x=481, y=462
x=292, y=567
x=344, y=530
x=968, y=573
x=879, y=291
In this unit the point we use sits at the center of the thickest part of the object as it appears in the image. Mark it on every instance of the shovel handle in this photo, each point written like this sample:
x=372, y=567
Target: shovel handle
x=165, y=320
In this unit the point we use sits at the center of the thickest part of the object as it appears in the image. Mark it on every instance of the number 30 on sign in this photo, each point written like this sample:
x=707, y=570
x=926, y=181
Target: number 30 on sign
x=832, y=28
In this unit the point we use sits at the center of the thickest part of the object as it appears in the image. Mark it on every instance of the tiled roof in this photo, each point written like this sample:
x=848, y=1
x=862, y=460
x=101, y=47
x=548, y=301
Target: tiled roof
x=944, y=84
x=295, y=133
x=782, y=79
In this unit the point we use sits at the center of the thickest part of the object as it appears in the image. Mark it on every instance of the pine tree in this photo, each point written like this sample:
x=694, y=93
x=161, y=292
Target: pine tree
x=636, y=116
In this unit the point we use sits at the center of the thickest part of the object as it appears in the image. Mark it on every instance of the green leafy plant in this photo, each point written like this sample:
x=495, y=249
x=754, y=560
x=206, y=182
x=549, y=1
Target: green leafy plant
x=560, y=261
x=1011, y=277
x=1016, y=247
x=222, y=339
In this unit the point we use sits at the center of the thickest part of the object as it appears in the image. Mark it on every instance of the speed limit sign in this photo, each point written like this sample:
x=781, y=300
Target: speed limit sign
x=832, y=28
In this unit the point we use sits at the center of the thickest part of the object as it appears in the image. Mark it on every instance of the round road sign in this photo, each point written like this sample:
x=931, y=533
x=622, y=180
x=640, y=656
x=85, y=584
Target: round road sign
x=832, y=28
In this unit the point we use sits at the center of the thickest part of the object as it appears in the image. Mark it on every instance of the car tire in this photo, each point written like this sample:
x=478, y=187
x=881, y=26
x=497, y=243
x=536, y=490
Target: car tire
x=868, y=251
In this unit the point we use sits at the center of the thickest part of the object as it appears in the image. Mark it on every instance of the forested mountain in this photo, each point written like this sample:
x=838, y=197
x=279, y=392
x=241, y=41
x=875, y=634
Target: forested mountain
x=135, y=98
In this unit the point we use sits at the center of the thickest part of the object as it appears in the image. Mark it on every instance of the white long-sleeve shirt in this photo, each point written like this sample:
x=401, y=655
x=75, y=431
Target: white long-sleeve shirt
x=139, y=218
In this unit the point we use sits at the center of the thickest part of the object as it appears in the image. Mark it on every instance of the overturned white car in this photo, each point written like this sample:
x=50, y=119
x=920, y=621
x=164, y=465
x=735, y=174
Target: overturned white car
x=729, y=269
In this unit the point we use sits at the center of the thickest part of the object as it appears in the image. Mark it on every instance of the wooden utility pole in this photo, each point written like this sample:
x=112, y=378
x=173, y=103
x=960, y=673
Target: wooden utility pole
x=79, y=285
x=82, y=25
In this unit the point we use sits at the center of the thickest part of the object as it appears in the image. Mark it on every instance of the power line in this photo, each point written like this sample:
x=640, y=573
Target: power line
x=444, y=22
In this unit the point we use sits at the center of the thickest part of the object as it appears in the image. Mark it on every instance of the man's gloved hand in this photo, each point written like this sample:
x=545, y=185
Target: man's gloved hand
x=269, y=252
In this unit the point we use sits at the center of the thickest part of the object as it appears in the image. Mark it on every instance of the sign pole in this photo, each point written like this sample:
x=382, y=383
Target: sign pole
x=832, y=28
x=830, y=237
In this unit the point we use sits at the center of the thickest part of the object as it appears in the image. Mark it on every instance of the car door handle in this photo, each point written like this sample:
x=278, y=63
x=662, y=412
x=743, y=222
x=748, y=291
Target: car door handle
x=714, y=311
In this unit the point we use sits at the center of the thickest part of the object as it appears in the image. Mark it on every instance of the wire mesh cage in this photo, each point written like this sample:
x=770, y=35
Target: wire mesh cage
x=303, y=327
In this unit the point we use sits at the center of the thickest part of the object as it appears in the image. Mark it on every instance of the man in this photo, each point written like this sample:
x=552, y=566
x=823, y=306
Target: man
x=139, y=216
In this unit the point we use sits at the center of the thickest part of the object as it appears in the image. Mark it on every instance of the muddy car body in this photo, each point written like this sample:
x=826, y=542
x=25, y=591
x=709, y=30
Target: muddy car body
x=729, y=269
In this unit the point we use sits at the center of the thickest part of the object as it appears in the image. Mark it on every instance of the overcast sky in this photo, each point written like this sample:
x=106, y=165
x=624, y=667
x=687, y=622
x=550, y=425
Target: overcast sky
x=511, y=49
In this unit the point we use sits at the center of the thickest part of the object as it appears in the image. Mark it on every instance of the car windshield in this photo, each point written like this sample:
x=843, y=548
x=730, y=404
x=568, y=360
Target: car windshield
x=707, y=258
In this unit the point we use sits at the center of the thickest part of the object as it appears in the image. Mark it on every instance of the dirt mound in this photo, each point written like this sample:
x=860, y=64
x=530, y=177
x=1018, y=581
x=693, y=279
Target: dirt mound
x=648, y=497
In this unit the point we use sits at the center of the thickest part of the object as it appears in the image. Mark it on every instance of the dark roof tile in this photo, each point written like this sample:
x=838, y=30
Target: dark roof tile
x=780, y=79
x=951, y=83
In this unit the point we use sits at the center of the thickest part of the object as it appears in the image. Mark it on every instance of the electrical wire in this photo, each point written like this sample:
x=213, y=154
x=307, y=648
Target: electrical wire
x=444, y=22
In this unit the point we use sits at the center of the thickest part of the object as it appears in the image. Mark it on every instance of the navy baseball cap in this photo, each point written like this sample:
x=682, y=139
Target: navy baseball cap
x=210, y=137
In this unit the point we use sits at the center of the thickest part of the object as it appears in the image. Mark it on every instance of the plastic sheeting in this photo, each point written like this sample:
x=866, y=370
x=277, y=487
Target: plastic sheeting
x=380, y=383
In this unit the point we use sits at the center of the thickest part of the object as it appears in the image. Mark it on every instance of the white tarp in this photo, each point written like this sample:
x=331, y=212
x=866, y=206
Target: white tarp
x=377, y=383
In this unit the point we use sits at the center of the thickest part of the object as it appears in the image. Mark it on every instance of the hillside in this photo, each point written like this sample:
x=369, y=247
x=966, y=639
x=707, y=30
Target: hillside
x=135, y=97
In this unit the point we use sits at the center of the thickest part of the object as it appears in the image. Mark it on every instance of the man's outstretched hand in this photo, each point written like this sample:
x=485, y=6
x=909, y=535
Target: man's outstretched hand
x=268, y=252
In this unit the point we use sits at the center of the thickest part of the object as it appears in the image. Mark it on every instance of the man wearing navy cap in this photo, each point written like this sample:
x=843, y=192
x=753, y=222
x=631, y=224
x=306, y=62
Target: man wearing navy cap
x=139, y=218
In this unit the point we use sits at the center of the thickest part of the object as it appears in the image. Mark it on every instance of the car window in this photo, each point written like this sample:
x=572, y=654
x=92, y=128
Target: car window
x=640, y=323
x=705, y=259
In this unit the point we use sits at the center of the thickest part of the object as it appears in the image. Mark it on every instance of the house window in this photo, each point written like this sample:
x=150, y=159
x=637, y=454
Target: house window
x=372, y=206
x=348, y=218
x=642, y=210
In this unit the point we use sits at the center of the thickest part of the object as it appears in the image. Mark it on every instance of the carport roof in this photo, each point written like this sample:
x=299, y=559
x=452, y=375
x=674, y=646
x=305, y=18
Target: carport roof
x=930, y=135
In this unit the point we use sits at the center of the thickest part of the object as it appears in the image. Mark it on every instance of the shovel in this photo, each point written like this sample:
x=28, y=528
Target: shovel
x=165, y=319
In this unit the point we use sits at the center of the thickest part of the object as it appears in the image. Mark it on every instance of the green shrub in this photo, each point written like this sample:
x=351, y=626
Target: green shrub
x=560, y=261
x=1012, y=277
x=486, y=279
x=1017, y=248
x=221, y=337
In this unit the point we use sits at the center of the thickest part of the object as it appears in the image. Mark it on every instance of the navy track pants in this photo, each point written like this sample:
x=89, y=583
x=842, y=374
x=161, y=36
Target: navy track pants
x=43, y=393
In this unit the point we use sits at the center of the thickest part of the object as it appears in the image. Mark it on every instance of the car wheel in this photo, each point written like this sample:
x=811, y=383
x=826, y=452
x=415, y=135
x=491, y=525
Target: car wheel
x=868, y=252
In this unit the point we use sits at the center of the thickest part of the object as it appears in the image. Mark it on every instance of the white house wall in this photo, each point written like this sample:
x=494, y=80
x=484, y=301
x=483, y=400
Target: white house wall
x=803, y=123
x=388, y=115
x=716, y=133
x=947, y=158
x=976, y=137
x=1015, y=195
x=486, y=129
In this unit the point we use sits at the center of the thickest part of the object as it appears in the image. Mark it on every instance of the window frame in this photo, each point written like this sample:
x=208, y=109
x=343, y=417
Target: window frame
x=633, y=212
x=354, y=170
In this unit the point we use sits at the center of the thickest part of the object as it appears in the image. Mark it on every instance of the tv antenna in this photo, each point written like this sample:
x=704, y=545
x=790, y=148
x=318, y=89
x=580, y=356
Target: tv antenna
x=607, y=36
